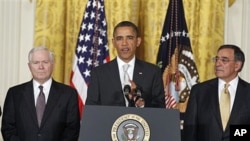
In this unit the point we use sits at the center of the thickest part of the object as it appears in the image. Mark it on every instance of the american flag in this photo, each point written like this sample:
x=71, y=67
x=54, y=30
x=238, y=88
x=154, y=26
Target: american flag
x=91, y=49
x=175, y=57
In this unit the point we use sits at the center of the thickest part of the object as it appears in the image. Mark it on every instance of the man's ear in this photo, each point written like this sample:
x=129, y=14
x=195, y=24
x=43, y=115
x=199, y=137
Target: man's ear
x=238, y=66
x=138, y=41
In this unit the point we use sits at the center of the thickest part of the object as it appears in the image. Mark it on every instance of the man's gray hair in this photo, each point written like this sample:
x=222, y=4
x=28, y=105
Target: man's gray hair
x=51, y=54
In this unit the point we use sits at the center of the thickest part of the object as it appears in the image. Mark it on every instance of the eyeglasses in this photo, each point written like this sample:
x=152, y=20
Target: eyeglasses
x=224, y=60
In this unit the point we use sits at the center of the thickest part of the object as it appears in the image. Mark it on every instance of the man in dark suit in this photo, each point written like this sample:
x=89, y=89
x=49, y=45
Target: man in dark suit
x=204, y=120
x=60, y=120
x=145, y=80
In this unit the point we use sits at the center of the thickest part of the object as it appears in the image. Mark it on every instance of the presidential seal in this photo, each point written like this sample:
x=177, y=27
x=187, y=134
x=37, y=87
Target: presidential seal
x=130, y=127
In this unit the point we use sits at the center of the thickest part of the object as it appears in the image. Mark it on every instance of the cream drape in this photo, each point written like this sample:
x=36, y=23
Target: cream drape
x=58, y=23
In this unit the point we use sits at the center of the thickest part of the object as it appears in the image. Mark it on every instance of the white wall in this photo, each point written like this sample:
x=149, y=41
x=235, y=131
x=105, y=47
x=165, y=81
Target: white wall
x=16, y=39
x=237, y=31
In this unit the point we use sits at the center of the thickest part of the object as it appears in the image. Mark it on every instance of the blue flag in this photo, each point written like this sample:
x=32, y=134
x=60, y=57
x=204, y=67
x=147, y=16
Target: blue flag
x=175, y=57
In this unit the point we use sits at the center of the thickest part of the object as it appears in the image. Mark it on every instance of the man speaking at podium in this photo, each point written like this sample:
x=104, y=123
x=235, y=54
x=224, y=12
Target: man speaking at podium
x=126, y=80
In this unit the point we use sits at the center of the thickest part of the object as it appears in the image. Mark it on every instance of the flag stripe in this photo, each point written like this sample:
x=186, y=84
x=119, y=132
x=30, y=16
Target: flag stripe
x=91, y=48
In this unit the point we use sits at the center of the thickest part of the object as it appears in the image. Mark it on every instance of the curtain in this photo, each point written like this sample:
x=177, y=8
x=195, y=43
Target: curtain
x=57, y=24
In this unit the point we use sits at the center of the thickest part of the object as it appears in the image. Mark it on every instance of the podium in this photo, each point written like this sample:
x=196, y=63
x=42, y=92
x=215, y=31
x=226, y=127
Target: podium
x=111, y=123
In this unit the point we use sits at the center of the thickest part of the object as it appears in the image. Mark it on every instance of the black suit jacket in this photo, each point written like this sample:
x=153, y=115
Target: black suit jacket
x=202, y=118
x=105, y=85
x=61, y=120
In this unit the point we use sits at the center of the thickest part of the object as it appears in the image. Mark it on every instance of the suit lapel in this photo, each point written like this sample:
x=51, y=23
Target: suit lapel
x=115, y=74
x=29, y=98
x=116, y=81
x=238, y=101
x=138, y=71
x=215, y=101
x=53, y=98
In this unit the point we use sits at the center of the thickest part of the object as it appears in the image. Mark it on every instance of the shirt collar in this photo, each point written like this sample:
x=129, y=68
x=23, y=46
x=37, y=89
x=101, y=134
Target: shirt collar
x=121, y=63
x=233, y=83
x=46, y=85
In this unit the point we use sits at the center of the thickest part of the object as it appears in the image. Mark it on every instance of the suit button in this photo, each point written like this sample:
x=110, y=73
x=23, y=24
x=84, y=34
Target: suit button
x=39, y=135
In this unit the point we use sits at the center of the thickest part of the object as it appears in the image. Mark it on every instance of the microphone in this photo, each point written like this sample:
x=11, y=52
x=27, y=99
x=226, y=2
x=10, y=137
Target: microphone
x=138, y=92
x=127, y=91
x=138, y=95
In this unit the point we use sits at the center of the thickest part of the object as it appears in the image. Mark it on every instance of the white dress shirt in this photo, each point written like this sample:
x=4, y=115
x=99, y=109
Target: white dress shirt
x=46, y=89
x=232, y=89
x=130, y=72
